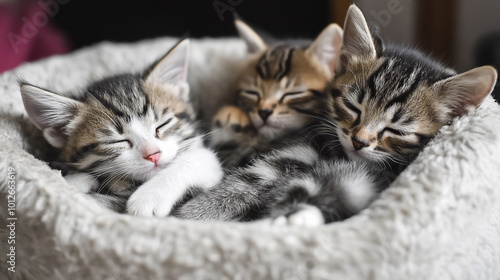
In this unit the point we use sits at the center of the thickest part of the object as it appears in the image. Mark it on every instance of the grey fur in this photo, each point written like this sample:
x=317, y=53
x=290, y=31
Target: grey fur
x=317, y=171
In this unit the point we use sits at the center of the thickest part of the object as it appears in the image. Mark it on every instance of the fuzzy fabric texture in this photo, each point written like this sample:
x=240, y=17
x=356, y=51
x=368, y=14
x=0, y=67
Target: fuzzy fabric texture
x=439, y=220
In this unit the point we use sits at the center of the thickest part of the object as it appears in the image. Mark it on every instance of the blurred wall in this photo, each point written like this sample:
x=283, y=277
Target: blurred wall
x=396, y=19
x=476, y=18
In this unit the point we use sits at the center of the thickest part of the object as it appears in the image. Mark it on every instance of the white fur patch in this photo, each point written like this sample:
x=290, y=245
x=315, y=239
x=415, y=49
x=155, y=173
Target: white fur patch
x=301, y=153
x=359, y=190
x=308, y=216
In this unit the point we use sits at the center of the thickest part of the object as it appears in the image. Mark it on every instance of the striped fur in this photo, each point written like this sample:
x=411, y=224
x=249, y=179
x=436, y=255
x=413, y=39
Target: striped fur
x=123, y=131
x=383, y=106
x=279, y=93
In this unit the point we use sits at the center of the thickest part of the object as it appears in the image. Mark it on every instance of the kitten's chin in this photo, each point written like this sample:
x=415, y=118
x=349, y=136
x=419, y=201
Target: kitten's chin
x=355, y=156
x=268, y=133
x=361, y=156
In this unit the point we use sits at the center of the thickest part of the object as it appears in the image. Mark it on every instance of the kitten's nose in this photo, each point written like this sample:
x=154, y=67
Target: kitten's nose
x=264, y=114
x=154, y=157
x=358, y=144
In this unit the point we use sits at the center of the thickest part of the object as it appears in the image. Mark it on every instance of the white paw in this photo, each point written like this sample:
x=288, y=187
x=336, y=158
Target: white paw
x=82, y=181
x=308, y=216
x=150, y=199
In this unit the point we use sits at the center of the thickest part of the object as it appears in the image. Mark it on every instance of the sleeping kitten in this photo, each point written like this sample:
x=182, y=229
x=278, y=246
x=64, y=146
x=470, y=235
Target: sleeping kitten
x=383, y=107
x=278, y=93
x=129, y=136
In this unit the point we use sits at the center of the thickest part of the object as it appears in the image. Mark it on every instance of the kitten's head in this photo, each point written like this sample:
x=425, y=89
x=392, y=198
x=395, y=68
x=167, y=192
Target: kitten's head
x=126, y=127
x=388, y=103
x=280, y=88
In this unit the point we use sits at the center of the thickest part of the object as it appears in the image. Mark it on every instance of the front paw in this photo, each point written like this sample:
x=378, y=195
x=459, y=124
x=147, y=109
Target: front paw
x=232, y=118
x=306, y=216
x=150, y=200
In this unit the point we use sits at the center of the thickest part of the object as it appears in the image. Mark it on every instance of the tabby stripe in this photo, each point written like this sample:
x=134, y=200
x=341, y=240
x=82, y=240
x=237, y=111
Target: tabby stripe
x=340, y=112
x=297, y=194
x=261, y=69
x=84, y=151
x=352, y=107
x=119, y=126
x=403, y=97
x=146, y=106
x=98, y=164
x=250, y=179
x=285, y=65
x=397, y=116
x=317, y=93
x=112, y=108
x=361, y=96
x=357, y=121
x=374, y=76
x=409, y=120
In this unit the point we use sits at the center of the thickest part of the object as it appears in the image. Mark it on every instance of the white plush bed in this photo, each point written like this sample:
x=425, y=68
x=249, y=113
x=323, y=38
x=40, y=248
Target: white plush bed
x=439, y=220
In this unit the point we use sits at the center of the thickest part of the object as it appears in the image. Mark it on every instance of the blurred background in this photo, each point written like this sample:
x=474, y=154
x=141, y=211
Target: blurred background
x=460, y=33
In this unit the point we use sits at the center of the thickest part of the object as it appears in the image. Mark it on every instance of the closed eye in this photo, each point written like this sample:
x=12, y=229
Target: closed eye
x=357, y=111
x=124, y=141
x=353, y=108
x=293, y=94
x=251, y=94
x=164, y=126
x=396, y=131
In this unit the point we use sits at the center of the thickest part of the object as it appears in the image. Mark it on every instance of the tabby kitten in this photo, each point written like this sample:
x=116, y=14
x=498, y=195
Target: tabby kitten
x=278, y=95
x=129, y=136
x=383, y=107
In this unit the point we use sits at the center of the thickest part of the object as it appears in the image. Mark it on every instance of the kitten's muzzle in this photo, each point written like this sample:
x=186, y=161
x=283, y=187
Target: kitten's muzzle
x=264, y=114
x=358, y=144
x=154, y=157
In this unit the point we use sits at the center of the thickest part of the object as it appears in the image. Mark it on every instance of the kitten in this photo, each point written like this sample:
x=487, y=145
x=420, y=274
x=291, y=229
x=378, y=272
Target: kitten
x=129, y=136
x=384, y=105
x=279, y=93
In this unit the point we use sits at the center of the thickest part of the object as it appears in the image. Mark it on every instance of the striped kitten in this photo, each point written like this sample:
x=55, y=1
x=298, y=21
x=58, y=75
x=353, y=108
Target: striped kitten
x=383, y=107
x=278, y=92
x=129, y=136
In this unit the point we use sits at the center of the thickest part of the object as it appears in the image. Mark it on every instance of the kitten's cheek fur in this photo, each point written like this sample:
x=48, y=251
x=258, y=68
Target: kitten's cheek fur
x=82, y=181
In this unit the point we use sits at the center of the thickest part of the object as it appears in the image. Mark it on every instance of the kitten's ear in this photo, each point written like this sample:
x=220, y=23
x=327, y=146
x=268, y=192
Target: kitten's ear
x=50, y=112
x=327, y=46
x=467, y=89
x=358, y=40
x=171, y=70
x=252, y=39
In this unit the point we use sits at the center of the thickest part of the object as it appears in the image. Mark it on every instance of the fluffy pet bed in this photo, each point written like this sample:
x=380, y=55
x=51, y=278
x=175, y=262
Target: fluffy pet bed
x=439, y=220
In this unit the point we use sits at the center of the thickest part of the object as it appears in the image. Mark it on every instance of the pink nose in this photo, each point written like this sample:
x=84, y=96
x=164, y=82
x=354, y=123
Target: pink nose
x=155, y=157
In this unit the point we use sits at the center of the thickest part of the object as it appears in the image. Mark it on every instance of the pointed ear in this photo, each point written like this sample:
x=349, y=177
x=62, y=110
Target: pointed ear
x=50, y=112
x=326, y=47
x=252, y=39
x=171, y=70
x=358, y=40
x=467, y=89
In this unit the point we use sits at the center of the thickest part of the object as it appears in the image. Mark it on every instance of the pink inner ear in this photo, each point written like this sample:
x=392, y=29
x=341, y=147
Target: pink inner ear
x=55, y=136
